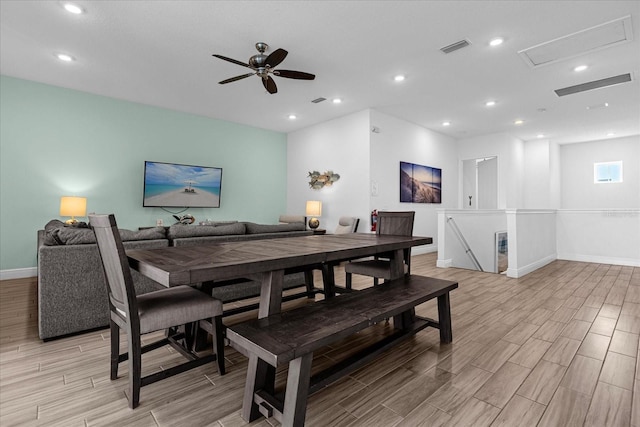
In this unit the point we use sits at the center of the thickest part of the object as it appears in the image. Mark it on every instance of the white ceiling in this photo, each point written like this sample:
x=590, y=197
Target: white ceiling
x=159, y=53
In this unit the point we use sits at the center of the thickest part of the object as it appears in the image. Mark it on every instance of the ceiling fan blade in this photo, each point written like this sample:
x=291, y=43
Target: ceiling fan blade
x=294, y=74
x=270, y=85
x=276, y=57
x=236, y=78
x=233, y=60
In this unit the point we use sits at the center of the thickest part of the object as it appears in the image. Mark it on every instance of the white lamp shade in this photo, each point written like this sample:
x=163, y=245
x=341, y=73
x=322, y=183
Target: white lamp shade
x=314, y=208
x=73, y=206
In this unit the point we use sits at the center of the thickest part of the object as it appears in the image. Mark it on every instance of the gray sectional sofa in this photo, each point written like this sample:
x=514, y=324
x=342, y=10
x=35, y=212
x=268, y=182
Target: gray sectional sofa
x=72, y=293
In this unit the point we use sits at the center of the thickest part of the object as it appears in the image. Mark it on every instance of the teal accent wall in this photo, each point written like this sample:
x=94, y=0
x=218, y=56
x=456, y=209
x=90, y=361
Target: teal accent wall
x=56, y=142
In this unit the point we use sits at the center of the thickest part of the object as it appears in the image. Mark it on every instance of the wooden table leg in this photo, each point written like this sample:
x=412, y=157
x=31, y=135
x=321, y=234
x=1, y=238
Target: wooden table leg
x=444, y=318
x=271, y=293
x=397, y=264
x=329, y=280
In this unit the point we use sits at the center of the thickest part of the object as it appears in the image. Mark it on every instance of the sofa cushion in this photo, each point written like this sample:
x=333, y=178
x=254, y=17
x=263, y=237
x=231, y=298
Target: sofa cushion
x=57, y=234
x=216, y=223
x=179, y=231
x=253, y=228
x=152, y=233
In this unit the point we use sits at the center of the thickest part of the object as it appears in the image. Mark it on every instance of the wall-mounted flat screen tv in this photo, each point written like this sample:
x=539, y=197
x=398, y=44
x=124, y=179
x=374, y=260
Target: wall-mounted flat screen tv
x=171, y=185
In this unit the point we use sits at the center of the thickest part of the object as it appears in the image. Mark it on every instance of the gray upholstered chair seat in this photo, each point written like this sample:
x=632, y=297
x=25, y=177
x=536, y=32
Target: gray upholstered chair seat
x=175, y=306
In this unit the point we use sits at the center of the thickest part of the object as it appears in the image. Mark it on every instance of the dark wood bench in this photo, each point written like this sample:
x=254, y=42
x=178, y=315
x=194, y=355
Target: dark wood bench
x=292, y=337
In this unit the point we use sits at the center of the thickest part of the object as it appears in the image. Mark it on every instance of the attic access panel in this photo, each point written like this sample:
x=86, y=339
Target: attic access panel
x=601, y=36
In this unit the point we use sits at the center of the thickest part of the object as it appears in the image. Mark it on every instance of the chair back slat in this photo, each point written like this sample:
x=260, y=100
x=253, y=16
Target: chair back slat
x=396, y=223
x=115, y=263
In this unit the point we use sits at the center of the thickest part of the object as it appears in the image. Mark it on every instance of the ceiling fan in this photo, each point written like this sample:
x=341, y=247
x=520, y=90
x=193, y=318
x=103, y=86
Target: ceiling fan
x=263, y=65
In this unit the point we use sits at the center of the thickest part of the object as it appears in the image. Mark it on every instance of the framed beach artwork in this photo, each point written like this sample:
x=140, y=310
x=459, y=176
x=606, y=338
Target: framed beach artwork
x=420, y=184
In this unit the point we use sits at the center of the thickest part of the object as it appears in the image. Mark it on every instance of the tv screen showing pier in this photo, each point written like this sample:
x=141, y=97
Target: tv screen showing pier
x=171, y=185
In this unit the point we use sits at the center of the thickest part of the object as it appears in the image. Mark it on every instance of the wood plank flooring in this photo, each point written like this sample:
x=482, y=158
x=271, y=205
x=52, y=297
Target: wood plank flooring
x=558, y=347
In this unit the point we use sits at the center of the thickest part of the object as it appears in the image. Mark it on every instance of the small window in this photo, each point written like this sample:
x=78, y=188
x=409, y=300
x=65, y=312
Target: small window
x=607, y=172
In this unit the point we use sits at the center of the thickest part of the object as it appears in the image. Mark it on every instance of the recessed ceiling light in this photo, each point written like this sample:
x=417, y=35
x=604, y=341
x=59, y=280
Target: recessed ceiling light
x=611, y=134
x=64, y=57
x=337, y=100
x=292, y=117
x=446, y=123
x=598, y=106
x=580, y=68
x=72, y=8
x=540, y=135
x=496, y=42
x=399, y=78
x=490, y=103
x=518, y=122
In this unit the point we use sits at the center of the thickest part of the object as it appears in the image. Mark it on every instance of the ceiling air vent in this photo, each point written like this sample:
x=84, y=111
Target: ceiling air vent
x=455, y=46
x=318, y=100
x=597, y=84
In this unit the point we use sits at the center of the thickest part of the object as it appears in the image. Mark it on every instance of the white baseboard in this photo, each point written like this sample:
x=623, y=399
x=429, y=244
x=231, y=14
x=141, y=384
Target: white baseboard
x=18, y=273
x=630, y=262
x=425, y=249
x=444, y=263
x=519, y=272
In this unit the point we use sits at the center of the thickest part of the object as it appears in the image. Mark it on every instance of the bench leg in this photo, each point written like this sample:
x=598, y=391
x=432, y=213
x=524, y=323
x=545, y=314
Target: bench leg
x=295, y=399
x=444, y=318
x=260, y=376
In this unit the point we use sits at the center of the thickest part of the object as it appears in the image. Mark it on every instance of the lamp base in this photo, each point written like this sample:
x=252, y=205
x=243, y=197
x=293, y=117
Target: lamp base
x=314, y=223
x=71, y=222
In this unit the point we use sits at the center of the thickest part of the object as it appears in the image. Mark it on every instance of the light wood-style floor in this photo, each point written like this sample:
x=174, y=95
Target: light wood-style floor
x=558, y=347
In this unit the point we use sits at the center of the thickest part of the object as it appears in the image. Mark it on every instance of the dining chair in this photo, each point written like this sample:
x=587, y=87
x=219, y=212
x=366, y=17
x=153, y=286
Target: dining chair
x=389, y=223
x=346, y=225
x=180, y=311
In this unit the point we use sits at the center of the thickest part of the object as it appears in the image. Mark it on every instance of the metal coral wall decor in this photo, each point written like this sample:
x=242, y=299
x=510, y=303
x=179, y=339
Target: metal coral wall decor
x=318, y=180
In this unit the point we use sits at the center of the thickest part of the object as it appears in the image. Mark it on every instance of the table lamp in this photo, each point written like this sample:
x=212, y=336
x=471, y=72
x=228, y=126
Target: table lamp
x=314, y=209
x=73, y=206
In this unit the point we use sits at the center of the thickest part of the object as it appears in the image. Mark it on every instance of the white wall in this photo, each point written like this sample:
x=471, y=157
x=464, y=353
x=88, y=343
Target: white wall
x=340, y=145
x=363, y=158
x=607, y=236
x=537, y=174
x=398, y=141
x=532, y=240
x=510, y=153
x=578, y=189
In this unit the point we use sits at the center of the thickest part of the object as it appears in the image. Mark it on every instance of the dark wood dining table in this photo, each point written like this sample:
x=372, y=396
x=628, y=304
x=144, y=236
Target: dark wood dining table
x=266, y=260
